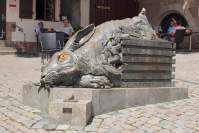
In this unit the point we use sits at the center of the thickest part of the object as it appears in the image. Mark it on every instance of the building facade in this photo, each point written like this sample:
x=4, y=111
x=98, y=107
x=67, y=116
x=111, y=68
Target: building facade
x=25, y=14
x=20, y=17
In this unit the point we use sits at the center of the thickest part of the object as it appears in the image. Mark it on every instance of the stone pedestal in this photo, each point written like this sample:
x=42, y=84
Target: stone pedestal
x=35, y=98
x=91, y=102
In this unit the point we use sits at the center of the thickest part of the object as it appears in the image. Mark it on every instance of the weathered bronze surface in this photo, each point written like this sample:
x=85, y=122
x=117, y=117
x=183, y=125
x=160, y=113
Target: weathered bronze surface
x=92, y=57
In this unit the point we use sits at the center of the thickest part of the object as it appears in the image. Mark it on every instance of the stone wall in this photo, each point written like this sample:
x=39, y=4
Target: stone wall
x=9, y=29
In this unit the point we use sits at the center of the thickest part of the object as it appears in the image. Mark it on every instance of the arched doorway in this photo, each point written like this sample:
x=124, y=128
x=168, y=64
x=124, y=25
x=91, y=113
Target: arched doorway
x=166, y=21
x=104, y=10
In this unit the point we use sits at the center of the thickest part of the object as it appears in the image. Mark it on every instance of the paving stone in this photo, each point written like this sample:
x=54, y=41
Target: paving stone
x=91, y=128
x=140, y=131
x=55, y=132
x=156, y=128
x=4, y=103
x=9, y=126
x=22, y=119
x=29, y=123
x=72, y=131
x=3, y=117
x=3, y=130
x=50, y=126
x=41, y=131
x=76, y=128
x=110, y=131
x=95, y=124
x=137, y=124
x=18, y=131
x=165, y=131
x=128, y=127
x=63, y=127
x=24, y=129
x=102, y=130
x=104, y=116
x=154, y=121
x=97, y=120
x=125, y=111
x=39, y=125
x=178, y=130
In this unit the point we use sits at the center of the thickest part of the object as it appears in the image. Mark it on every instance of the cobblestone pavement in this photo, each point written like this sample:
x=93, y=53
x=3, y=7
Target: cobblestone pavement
x=15, y=71
x=172, y=117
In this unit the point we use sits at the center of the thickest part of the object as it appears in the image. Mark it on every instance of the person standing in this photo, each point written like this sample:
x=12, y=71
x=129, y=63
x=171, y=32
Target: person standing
x=171, y=30
x=38, y=29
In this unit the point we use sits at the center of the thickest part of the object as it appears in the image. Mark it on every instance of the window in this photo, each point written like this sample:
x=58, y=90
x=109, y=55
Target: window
x=45, y=10
x=26, y=9
x=70, y=9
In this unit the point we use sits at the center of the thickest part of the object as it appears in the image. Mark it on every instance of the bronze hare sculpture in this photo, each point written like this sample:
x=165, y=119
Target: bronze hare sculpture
x=93, y=56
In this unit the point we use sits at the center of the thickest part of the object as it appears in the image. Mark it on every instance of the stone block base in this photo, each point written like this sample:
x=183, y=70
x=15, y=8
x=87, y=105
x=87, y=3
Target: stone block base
x=76, y=113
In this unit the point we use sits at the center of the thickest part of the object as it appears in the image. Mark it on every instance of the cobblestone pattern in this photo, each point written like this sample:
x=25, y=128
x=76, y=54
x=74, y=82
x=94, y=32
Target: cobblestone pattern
x=15, y=71
x=172, y=117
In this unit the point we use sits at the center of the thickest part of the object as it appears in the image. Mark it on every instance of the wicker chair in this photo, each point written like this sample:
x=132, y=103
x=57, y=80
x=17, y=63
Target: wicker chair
x=49, y=45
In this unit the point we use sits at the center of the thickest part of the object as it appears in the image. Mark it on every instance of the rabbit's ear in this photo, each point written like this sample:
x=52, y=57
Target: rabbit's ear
x=80, y=38
x=84, y=33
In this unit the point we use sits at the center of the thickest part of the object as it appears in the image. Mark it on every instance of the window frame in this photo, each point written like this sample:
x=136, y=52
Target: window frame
x=25, y=12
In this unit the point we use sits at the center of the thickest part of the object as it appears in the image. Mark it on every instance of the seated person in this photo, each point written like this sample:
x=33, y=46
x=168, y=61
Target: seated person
x=67, y=28
x=39, y=28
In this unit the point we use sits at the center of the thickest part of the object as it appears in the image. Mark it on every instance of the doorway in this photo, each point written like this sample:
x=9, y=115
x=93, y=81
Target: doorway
x=105, y=10
x=2, y=19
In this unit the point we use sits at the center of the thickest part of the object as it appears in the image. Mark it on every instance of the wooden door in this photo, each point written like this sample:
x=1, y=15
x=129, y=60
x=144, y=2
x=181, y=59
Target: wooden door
x=2, y=18
x=104, y=10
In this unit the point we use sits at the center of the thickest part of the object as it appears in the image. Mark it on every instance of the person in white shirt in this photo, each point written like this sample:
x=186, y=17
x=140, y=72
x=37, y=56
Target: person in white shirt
x=67, y=28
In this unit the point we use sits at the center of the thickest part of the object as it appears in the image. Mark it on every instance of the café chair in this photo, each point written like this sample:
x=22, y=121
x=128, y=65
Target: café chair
x=61, y=44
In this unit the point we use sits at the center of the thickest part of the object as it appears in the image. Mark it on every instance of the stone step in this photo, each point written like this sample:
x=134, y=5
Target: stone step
x=7, y=50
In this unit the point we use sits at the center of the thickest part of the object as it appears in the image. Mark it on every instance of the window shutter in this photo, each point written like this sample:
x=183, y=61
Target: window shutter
x=26, y=9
